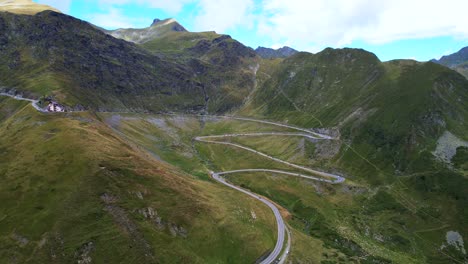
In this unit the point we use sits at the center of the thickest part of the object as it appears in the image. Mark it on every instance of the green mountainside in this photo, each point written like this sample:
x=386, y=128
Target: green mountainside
x=396, y=122
x=217, y=61
x=74, y=191
x=108, y=74
x=123, y=179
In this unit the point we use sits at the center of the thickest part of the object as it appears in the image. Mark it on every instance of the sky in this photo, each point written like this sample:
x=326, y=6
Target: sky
x=392, y=29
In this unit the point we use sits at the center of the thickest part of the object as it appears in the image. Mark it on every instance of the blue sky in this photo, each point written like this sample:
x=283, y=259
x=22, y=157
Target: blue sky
x=392, y=29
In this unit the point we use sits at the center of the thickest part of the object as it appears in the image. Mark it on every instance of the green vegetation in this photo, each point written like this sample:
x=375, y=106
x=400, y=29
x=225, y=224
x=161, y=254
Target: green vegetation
x=135, y=187
x=401, y=221
x=51, y=54
x=72, y=188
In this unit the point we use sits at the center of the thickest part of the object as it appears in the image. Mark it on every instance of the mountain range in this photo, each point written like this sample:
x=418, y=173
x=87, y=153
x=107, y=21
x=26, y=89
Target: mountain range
x=457, y=61
x=122, y=178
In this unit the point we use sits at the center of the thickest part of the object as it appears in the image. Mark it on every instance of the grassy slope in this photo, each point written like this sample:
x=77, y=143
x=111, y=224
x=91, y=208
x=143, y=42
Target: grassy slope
x=389, y=116
x=68, y=180
x=379, y=107
x=355, y=221
x=223, y=65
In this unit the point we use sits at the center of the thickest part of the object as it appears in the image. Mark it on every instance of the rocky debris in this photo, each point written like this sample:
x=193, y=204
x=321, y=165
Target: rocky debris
x=82, y=254
x=148, y=213
x=326, y=149
x=177, y=231
x=23, y=241
x=108, y=199
x=447, y=147
x=254, y=215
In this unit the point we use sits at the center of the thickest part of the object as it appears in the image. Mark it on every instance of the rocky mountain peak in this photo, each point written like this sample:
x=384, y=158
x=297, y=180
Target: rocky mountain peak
x=174, y=25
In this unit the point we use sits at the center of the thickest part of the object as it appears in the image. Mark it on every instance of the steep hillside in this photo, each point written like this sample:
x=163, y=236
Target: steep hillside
x=26, y=7
x=74, y=191
x=217, y=61
x=268, y=53
x=402, y=133
x=56, y=55
x=401, y=106
x=457, y=61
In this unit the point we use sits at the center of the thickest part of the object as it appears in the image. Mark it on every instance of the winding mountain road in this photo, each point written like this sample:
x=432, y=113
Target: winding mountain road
x=34, y=103
x=274, y=256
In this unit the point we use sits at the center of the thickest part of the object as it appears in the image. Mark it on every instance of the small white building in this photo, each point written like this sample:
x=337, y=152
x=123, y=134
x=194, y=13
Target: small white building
x=55, y=107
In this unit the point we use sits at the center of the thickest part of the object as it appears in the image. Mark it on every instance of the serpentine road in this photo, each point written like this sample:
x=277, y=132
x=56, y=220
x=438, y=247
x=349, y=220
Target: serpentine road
x=274, y=256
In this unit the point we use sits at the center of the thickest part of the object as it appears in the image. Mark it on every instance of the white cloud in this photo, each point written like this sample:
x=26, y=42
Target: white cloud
x=221, y=15
x=337, y=23
x=62, y=5
x=170, y=6
x=303, y=24
x=113, y=19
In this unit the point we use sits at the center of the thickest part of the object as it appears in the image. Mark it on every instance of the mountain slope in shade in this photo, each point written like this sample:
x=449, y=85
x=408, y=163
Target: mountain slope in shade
x=268, y=53
x=457, y=61
x=217, y=61
x=52, y=54
x=27, y=7
x=158, y=29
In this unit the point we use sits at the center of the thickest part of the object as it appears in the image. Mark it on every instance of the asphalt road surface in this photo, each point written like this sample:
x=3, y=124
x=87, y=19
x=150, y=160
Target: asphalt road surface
x=274, y=256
